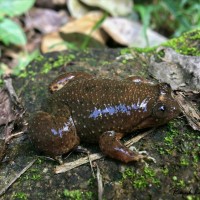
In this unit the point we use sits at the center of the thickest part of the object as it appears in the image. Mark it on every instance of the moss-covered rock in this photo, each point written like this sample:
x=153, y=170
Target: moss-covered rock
x=175, y=146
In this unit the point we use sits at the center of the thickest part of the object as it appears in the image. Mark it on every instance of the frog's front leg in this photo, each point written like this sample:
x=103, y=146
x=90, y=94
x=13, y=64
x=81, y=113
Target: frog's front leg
x=110, y=145
x=52, y=134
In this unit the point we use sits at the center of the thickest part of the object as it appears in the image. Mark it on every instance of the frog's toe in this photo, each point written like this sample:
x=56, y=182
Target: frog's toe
x=143, y=153
x=133, y=148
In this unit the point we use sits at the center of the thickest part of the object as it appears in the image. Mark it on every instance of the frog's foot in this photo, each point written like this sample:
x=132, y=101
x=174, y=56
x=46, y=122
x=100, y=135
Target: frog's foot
x=138, y=79
x=110, y=145
x=59, y=159
x=64, y=79
x=81, y=149
x=145, y=153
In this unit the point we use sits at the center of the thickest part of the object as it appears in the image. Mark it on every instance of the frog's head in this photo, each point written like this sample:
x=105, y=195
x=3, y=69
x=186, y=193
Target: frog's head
x=163, y=110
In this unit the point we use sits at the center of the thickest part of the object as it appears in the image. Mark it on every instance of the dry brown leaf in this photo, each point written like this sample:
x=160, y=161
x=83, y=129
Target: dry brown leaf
x=190, y=110
x=7, y=114
x=114, y=7
x=77, y=9
x=130, y=33
x=45, y=20
x=52, y=42
x=85, y=25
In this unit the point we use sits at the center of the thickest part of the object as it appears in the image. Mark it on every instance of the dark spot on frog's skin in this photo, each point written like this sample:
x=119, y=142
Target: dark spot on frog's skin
x=99, y=110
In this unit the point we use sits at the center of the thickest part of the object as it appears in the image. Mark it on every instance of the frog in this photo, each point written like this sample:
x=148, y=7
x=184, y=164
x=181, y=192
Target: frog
x=84, y=108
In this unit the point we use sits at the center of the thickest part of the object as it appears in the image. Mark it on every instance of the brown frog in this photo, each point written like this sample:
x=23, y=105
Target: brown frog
x=99, y=110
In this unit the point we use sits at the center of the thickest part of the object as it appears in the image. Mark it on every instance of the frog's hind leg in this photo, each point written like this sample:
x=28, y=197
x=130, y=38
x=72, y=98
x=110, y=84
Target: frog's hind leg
x=64, y=79
x=110, y=145
x=54, y=135
x=138, y=79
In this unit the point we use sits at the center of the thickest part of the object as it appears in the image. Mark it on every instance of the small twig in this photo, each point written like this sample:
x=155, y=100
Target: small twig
x=85, y=151
x=16, y=177
x=100, y=183
x=190, y=111
x=11, y=91
x=91, y=166
x=13, y=135
x=71, y=165
x=137, y=138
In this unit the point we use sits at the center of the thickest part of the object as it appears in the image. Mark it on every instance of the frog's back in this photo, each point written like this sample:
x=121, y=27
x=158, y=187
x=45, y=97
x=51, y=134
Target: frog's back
x=99, y=105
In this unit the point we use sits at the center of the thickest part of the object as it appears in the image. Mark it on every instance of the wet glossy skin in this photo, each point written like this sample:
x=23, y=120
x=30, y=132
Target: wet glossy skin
x=95, y=110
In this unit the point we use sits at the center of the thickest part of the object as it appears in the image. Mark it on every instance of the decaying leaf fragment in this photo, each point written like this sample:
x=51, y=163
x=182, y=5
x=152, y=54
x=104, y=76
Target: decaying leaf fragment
x=180, y=71
x=74, y=33
x=77, y=9
x=85, y=26
x=114, y=7
x=7, y=115
x=52, y=42
x=189, y=110
x=183, y=74
x=10, y=111
x=130, y=33
x=45, y=20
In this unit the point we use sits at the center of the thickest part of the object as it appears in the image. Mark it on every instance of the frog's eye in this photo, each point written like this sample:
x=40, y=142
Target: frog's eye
x=160, y=110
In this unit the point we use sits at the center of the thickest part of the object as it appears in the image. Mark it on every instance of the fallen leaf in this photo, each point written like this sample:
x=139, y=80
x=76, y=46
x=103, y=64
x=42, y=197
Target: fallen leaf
x=52, y=42
x=130, y=33
x=7, y=114
x=77, y=9
x=114, y=7
x=190, y=110
x=85, y=26
x=45, y=20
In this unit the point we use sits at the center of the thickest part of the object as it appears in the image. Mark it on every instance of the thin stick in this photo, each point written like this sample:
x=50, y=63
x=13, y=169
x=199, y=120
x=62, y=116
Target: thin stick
x=100, y=183
x=91, y=164
x=137, y=138
x=68, y=166
x=13, y=135
x=16, y=177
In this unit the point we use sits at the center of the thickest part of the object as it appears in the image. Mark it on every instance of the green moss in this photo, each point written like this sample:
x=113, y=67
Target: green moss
x=184, y=161
x=193, y=197
x=125, y=51
x=77, y=195
x=55, y=63
x=20, y=195
x=34, y=173
x=145, y=50
x=165, y=171
x=137, y=49
x=1, y=82
x=169, y=140
x=39, y=58
x=104, y=62
x=124, y=61
x=186, y=44
x=141, y=180
x=178, y=183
